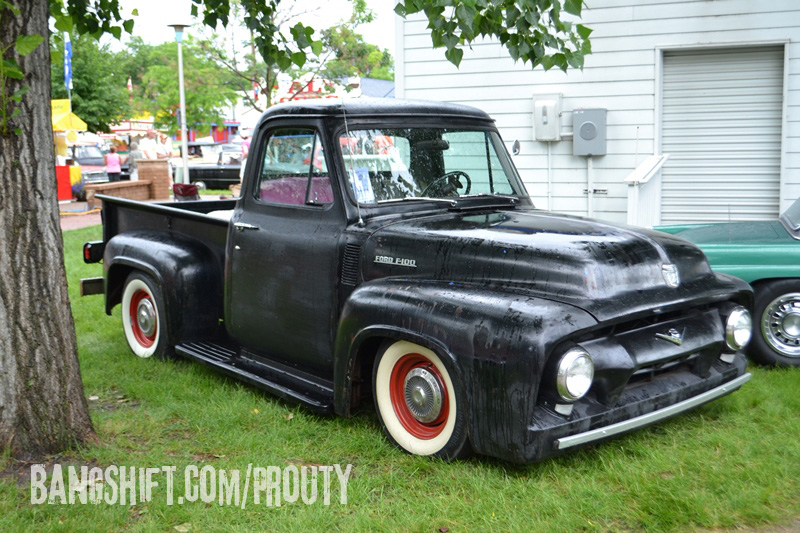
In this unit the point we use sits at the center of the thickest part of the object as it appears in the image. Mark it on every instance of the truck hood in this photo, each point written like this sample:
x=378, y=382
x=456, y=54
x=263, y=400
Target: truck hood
x=607, y=270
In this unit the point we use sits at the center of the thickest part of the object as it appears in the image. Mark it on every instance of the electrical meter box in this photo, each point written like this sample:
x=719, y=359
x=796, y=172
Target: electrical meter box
x=547, y=117
x=589, y=132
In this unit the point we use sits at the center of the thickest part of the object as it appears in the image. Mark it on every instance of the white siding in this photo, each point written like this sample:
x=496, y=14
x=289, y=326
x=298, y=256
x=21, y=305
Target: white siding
x=621, y=75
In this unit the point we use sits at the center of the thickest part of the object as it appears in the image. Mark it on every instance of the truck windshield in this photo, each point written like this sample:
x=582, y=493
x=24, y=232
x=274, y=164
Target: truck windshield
x=395, y=164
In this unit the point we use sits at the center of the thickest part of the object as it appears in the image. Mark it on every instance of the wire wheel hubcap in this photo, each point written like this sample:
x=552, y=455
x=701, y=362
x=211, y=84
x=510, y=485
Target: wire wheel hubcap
x=423, y=395
x=780, y=324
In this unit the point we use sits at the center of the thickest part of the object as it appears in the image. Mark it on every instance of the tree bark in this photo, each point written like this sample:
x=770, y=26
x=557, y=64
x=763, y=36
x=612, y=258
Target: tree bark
x=42, y=406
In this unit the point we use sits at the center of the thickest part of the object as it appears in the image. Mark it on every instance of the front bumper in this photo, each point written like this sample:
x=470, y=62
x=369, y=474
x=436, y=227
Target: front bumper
x=650, y=418
x=641, y=404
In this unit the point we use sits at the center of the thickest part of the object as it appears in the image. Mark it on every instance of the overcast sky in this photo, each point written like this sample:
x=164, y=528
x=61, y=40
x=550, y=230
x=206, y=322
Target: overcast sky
x=155, y=16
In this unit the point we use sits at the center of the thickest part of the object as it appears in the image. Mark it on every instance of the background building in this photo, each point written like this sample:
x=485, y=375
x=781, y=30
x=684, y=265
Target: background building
x=714, y=85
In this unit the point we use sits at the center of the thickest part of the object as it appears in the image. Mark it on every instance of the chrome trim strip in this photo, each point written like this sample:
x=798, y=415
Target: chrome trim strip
x=649, y=418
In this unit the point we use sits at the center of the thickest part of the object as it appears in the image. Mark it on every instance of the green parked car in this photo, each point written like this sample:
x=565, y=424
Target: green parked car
x=766, y=255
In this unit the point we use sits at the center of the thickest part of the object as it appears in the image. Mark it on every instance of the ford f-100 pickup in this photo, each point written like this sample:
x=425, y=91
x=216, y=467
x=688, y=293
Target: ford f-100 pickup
x=387, y=251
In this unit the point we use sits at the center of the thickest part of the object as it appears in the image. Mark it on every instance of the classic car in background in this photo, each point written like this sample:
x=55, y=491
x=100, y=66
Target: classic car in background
x=766, y=255
x=214, y=166
x=92, y=162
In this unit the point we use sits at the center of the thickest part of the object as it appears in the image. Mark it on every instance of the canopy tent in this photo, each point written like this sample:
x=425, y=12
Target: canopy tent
x=68, y=122
x=63, y=119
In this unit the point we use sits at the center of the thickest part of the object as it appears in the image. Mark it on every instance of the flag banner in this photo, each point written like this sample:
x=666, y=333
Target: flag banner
x=67, y=62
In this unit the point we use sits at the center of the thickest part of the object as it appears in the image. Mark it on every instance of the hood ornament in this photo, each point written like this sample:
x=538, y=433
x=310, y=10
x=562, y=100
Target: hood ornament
x=673, y=335
x=670, y=273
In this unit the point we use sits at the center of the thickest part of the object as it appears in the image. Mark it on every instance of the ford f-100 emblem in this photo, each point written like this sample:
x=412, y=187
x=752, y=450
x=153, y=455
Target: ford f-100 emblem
x=673, y=335
x=400, y=261
x=670, y=273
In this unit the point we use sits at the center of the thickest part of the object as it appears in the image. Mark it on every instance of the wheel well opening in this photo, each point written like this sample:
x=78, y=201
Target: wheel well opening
x=361, y=388
x=116, y=283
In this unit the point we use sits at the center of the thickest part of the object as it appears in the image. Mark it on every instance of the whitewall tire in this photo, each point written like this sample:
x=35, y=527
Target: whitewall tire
x=419, y=402
x=143, y=316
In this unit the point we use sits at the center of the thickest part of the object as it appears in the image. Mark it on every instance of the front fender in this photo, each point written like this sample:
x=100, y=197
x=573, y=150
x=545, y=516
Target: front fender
x=497, y=342
x=185, y=269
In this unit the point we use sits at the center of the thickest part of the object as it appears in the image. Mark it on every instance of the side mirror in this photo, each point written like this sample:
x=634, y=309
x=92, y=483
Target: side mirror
x=515, y=148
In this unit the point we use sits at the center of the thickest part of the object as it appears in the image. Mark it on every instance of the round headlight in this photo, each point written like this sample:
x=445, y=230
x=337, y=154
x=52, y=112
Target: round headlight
x=738, y=328
x=574, y=375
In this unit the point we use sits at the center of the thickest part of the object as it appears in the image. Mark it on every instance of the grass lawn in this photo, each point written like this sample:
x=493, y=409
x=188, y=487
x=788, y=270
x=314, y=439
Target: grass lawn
x=732, y=464
x=215, y=192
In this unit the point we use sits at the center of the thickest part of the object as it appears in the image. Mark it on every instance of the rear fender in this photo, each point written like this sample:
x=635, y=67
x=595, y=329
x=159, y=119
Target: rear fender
x=183, y=267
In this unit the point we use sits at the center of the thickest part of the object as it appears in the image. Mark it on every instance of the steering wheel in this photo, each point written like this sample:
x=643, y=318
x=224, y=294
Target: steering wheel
x=448, y=184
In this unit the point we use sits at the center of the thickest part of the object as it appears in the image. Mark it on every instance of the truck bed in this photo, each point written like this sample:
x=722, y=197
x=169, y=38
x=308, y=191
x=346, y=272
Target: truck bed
x=186, y=218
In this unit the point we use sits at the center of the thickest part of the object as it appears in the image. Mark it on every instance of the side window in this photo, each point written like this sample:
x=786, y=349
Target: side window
x=294, y=171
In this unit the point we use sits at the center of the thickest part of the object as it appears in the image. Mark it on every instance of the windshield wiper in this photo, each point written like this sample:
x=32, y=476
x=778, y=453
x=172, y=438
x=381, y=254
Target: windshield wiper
x=511, y=197
x=451, y=202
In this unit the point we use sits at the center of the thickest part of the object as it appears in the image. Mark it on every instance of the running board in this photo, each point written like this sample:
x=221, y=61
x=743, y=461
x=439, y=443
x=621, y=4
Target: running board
x=316, y=395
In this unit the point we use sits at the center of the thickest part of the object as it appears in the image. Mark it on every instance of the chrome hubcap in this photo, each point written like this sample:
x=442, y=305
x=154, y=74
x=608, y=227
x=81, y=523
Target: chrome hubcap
x=423, y=395
x=146, y=317
x=780, y=324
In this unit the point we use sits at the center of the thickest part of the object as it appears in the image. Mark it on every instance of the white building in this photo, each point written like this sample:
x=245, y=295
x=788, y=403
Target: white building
x=713, y=84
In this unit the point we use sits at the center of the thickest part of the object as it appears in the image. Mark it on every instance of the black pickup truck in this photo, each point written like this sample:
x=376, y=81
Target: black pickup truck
x=388, y=251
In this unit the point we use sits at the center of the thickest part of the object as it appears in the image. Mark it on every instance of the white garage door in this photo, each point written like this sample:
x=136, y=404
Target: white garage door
x=721, y=120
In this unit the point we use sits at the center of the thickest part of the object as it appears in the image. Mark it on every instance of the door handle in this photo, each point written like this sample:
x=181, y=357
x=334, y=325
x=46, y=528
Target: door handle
x=241, y=226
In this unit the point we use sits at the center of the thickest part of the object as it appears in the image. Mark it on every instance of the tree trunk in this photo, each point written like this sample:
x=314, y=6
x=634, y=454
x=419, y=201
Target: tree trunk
x=42, y=406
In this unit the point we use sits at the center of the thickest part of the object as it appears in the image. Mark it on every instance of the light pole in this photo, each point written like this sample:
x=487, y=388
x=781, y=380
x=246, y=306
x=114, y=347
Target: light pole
x=184, y=148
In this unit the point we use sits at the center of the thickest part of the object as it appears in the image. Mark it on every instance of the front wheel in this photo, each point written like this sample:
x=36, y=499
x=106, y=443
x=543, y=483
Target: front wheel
x=420, y=405
x=776, y=335
x=144, y=317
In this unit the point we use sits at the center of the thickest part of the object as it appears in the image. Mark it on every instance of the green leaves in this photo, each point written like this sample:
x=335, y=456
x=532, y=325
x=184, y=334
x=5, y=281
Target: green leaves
x=454, y=55
x=17, y=95
x=583, y=31
x=11, y=70
x=532, y=31
x=573, y=7
x=64, y=23
x=27, y=44
x=299, y=59
x=92, y=17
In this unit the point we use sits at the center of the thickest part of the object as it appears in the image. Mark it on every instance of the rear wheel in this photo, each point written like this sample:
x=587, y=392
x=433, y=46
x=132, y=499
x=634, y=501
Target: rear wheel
x=143, y=317
x=419, y=403
x=776, y=339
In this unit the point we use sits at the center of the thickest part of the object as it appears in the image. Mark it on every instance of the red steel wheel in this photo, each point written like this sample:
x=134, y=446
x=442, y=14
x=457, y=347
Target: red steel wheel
x=144, y=321
x=419, y=398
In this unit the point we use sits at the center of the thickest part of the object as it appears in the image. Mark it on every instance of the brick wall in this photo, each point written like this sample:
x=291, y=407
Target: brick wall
x=157, y=173
x=132, y=190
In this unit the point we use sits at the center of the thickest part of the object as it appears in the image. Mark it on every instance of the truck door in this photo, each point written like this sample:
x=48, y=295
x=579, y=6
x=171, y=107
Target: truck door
x=283, y=251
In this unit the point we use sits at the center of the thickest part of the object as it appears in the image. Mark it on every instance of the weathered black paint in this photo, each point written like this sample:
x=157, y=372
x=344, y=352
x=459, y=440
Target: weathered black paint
x=495, y=287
